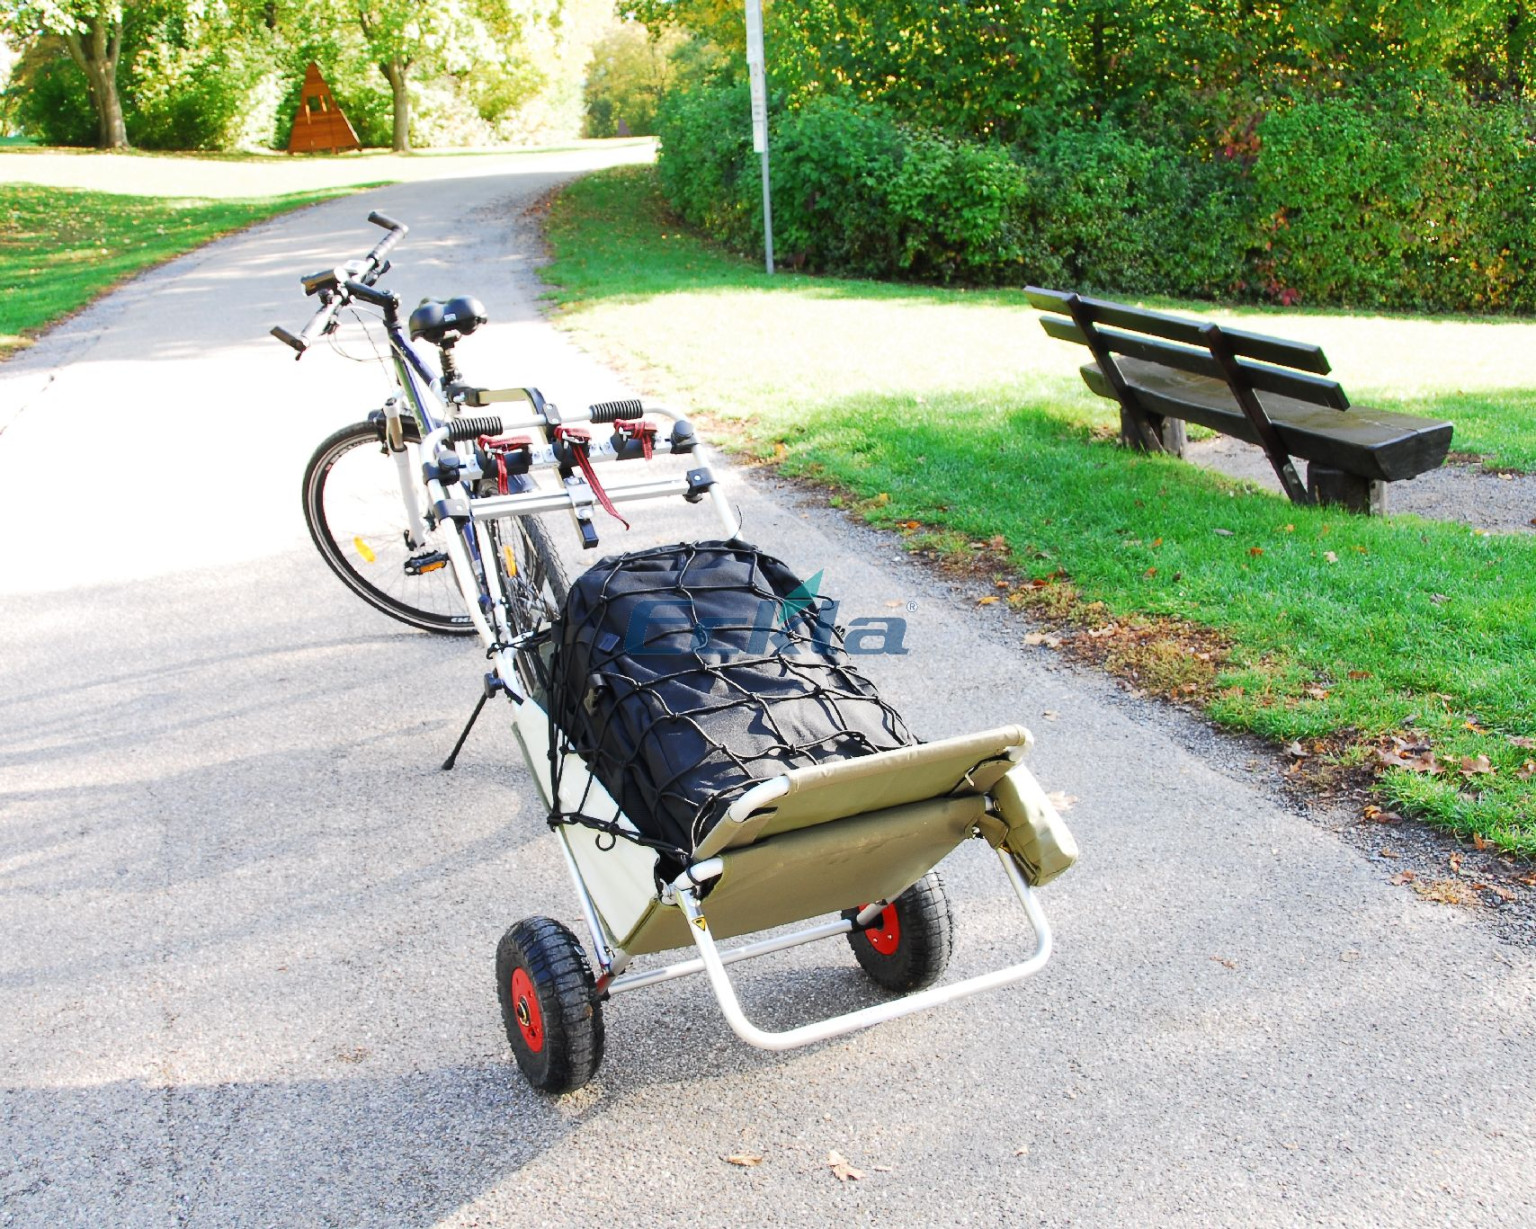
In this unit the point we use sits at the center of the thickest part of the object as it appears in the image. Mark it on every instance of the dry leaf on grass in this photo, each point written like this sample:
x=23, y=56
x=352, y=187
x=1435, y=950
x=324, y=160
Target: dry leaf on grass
x=1471, y=767
x=745, y=1159
x=1479, y=841
x=1330, y=556
x=1519, y=740
x=1526, y=770
x=841, y=1170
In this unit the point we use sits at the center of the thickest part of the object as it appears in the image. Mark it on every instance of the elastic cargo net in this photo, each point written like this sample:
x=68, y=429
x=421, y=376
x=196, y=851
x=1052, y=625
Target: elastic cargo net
x=685, y=674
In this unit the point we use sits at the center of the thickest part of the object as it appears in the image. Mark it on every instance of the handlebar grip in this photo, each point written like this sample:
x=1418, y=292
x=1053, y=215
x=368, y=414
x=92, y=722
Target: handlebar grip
x=612, y=411
x=397, y=232
x=288, y=339
x=473, y=428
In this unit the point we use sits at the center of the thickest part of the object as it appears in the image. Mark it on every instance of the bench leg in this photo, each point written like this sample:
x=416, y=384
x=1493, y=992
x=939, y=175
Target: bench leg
x=1170, y=432
x=1335, y=487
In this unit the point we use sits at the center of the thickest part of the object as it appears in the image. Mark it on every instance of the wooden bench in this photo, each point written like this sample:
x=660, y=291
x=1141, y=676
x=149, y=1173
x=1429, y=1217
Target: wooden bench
x=1167, y=370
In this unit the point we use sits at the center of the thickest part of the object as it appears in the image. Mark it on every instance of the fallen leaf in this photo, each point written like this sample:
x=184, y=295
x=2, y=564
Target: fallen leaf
x=1296, y=750
x=1330, y=556
x=1224, y=962
x=1035, y=639
x=1447, y=892
x=1022, y=1150
x=745, y=1159
x=1050, y=714
x=1475, y=767
x=1526, y=770
x=1384, y=852
x=1060, y=800
x=1098, y=633
x=1149, y=573
x=843, y=1171
x=1255, y=550
x=1403, y=877
x=1156, y=542
x=1359, y=674
x=1318, y=693
x=1502, y=893
x=1519, y=740
x=986, y=601
x=1290, y=529
x=909, y=525
x=1479, y=841
x=1455, y=862
x=1226, y=533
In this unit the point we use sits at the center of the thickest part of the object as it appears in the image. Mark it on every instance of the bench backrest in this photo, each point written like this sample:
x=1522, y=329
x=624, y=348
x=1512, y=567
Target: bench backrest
x=1268, y=364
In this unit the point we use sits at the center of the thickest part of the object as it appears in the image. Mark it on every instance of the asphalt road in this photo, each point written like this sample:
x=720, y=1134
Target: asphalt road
x=248, y=925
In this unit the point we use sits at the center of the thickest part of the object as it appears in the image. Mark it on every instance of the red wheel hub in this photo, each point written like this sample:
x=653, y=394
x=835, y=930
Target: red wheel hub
x=885, y=935
x=525, y=1006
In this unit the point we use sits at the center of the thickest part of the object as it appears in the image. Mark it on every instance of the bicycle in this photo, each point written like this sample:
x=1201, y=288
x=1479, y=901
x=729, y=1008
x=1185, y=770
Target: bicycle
x=709, y=760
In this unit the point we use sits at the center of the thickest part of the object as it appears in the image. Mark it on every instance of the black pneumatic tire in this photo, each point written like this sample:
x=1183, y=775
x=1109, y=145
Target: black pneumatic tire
x=549, y=1005
x=352, y=507
x=909, y=945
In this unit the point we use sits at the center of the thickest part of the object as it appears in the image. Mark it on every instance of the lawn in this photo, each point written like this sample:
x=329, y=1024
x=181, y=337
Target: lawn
x=1396, y=645
x=62, y=247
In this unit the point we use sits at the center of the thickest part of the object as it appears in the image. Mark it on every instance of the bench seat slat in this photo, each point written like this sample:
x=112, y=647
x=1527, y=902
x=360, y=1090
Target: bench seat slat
x=1296, y=385
x=1376, y=444
x=1301, y=355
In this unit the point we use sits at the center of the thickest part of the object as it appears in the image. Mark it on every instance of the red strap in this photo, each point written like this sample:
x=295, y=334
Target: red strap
x=580, y=442
x=498, y=447
x=637, y=428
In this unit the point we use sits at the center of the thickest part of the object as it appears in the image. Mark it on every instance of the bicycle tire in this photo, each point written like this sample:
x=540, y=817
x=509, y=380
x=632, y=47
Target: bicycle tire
x=535, y=584
x=353, y=511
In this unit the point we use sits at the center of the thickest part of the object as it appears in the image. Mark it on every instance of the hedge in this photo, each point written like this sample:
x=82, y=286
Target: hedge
x=1390, y=202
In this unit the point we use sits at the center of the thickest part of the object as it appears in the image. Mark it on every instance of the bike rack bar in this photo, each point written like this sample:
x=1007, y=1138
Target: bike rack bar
x=686, y=968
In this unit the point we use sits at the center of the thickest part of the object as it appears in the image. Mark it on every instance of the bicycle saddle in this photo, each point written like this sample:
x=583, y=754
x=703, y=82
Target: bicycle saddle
x=436, y=319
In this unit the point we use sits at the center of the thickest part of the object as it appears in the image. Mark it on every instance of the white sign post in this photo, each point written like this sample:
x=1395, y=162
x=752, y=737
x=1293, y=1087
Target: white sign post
x=760, y=115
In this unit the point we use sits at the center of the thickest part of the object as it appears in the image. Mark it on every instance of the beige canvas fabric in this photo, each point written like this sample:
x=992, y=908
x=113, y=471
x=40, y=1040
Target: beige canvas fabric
x=819, y=869
x=1036, y=836
x=972, y=763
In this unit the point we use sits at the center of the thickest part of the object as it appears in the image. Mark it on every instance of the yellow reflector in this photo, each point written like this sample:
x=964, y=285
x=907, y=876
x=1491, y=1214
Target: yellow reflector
x=364, y=550
x=506, y=553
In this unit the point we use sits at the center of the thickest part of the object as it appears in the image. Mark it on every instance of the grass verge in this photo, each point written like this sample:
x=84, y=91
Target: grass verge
x=1397, y=646
x=61, y=247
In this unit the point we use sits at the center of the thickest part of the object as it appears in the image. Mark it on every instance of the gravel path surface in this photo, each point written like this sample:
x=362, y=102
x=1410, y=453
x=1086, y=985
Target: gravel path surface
x=1497, y=502
x=249, y=924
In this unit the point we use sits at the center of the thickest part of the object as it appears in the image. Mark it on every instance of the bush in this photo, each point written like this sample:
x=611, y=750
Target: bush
x=1399, y=201
x=1392, y=200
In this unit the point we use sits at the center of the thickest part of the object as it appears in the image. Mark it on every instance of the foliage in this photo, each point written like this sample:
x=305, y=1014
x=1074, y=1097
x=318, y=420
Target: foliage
x=629, y=72
x=1400, y=200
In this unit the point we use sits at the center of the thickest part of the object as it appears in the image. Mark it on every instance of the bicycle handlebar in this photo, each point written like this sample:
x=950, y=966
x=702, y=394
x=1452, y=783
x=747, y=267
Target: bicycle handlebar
x=338, y=286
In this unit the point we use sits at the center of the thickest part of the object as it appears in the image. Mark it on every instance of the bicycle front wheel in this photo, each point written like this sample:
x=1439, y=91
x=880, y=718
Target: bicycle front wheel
x=353, y=508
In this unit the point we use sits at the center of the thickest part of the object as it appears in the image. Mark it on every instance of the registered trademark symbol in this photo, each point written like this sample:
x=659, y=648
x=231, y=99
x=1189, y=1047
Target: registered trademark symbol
x=911, y=606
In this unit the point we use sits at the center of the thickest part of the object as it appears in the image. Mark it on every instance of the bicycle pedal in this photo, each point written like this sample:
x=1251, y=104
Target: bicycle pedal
x=431, y=561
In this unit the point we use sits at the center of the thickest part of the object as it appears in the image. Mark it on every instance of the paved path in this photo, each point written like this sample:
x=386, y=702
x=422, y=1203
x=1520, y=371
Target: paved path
x=248, y=925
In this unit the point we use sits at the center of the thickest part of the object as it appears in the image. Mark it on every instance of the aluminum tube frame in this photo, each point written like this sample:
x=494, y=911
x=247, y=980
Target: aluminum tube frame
x=686, y=968
x=837, y=1026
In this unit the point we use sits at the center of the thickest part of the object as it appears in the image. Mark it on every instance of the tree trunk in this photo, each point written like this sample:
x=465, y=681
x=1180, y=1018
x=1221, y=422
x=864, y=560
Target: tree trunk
x=396, y=72
x=95, y=51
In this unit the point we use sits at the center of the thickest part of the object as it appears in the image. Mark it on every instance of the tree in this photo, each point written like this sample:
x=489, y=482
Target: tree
x=453, y=36
x=92, y=33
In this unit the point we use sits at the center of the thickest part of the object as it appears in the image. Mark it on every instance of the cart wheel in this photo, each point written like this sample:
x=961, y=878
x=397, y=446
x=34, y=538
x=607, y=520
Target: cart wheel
x=549, y=1005
x=908, y=946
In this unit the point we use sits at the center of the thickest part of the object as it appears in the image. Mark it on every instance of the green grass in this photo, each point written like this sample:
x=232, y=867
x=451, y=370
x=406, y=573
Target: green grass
x=949, y=415
x=61, y=247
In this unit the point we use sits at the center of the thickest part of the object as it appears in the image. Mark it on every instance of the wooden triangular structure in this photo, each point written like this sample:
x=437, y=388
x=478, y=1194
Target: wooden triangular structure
x=320, y=123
